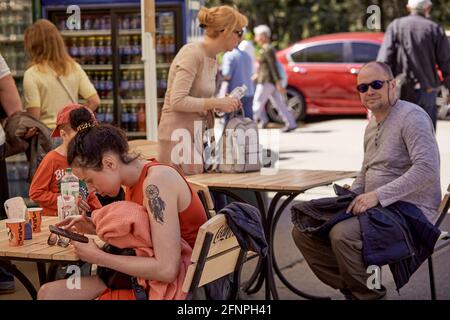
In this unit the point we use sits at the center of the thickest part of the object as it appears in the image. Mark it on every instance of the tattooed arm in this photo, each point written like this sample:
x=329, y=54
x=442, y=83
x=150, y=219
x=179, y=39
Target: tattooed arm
x=161, y=198
x=164, y=193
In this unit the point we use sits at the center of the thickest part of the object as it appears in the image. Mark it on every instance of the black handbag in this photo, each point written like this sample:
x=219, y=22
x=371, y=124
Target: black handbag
x=117, y=280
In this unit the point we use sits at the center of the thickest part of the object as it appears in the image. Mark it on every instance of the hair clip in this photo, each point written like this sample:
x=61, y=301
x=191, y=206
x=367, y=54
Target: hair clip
x=85, y=126
x=203, y=26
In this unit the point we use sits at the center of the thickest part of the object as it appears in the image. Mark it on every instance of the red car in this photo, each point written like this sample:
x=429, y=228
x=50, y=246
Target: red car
x=322, y=73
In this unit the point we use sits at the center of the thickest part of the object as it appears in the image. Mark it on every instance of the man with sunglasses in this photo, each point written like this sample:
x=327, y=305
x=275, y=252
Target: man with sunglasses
x=401, y=163
x=413, y=46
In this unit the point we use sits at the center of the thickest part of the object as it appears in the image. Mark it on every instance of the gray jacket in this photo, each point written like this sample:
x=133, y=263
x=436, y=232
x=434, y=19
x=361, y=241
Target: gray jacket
x=16, y=126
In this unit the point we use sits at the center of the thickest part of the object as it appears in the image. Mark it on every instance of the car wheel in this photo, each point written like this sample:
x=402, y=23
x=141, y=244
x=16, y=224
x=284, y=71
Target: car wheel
x=296, y=105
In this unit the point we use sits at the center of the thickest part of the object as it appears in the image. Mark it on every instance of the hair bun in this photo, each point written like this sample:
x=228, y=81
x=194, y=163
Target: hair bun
x=203, y=16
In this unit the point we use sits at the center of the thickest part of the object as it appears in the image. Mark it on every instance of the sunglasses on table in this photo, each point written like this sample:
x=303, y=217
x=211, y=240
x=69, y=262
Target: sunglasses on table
x=376, y=85
x=56, y=239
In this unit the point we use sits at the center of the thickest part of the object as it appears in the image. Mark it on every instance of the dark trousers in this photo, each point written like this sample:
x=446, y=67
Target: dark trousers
x=427, y=100
x=4, y=192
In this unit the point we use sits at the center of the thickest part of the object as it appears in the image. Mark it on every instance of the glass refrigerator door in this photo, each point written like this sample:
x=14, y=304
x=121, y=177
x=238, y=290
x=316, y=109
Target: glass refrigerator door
x=168, y=42
x=131, y=83
x=91, y=48
x=15, y=16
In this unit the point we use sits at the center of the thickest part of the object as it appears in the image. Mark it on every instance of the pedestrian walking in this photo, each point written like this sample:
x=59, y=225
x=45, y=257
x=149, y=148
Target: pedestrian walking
x=413, y=46
x=268, y=81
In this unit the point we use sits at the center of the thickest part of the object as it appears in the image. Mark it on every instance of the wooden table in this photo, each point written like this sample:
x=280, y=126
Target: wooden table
x=289, y=183
x=35, y=250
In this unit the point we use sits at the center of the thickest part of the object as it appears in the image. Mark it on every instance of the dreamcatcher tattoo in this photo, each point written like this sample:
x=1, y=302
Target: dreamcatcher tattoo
x=156, y=204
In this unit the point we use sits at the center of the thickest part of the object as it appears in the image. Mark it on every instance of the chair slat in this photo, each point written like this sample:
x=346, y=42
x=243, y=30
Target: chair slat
x=223, y=238
x=215, y=268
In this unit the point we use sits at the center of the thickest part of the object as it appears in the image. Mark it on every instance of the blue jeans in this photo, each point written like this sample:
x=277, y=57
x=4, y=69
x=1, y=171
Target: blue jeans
x=427, y=100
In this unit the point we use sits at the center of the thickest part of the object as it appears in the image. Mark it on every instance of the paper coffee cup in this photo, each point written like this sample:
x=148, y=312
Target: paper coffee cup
x=16, y=231
x=35, y=217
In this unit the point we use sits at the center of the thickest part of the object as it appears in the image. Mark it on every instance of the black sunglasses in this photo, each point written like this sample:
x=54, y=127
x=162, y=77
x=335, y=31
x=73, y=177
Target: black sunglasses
x=376, y=85
x=240, y=33
x=54, y=238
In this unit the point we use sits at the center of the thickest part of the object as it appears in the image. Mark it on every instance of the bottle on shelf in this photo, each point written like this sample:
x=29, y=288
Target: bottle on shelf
x=141, y=118
x=109, y=85
x=87, y=25
x=102, y=85
x=108, y=50
x=140, y=85
x=170, y=47
x=160, y=49
x=109, y=115
x=124, y=84
x=133, y=119
x=125, y=117
x=135, y=22
x=100, y=54
x=100, y=114
x=132, y=81
x=74, y=49
x=82, y=50
x=91, y=51
x=136, y=50
x=127, y=50
x=126, y=22
x=96, y=25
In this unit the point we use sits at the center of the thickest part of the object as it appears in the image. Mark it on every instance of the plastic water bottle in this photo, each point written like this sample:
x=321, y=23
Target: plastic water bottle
x=238, y=92
x=70, y=184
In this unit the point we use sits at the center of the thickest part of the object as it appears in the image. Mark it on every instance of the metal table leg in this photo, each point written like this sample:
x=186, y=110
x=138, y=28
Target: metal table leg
x=11, y=268
x=42, y=272
x=275, y=264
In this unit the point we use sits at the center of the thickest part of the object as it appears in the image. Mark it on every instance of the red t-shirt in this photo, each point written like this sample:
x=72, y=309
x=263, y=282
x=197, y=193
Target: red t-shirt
x=190, y=219
x=44, y=188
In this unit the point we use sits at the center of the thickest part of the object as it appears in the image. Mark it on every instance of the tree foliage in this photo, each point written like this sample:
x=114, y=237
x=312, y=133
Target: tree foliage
x=293, y=20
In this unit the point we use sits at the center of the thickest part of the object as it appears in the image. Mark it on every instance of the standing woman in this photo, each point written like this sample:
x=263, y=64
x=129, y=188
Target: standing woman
x=53, y=79
x=189, y=103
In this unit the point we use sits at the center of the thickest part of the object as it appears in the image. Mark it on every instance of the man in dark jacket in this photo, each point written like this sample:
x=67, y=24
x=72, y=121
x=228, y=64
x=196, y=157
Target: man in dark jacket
x=401, y=163
x=413, y=46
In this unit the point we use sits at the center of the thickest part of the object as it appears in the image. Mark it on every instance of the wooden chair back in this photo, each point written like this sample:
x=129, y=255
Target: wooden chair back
x=216, y=253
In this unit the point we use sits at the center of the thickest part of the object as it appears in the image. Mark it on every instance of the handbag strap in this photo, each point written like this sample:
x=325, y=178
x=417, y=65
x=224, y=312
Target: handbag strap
x=66, y=89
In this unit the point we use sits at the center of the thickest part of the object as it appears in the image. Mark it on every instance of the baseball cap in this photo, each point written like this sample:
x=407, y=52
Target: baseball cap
x=63, y=117
x=419, y=4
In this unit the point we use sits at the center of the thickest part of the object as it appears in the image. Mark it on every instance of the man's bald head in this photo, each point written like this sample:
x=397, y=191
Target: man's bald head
x=381, y=66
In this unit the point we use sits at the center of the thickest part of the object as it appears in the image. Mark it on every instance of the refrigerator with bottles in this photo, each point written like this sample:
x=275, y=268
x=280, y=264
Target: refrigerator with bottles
x=15, y=16
x=108, y=45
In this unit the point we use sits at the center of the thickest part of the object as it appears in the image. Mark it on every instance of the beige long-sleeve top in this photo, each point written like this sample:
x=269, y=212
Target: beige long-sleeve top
x=192, y=78
x=191, y=81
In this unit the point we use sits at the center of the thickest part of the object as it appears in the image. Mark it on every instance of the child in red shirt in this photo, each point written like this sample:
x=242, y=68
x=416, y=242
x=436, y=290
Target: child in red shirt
x=45, y=186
